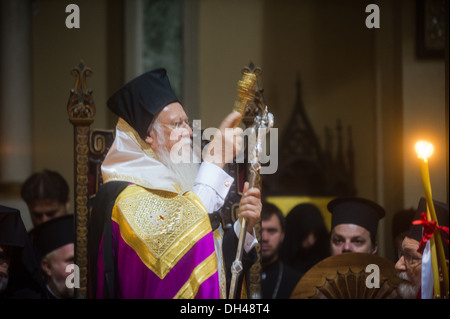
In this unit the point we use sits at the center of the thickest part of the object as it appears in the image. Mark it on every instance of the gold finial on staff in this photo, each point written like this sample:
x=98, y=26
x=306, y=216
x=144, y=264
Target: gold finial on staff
x=246, y=90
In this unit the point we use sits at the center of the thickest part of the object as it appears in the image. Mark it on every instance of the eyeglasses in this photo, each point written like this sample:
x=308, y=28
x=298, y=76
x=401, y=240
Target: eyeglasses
x=410, y=260
x=179, y=124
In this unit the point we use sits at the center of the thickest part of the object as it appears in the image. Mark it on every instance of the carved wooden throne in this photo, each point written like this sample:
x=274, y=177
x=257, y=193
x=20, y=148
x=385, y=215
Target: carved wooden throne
x=92, y=145
x=90, y=149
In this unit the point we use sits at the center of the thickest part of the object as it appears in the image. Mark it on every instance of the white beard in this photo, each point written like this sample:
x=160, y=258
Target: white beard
x=184, y=172
x=62, y=291
x=406, y=289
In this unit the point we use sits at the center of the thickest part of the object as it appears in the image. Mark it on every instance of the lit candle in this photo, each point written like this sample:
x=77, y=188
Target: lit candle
x=424, y=150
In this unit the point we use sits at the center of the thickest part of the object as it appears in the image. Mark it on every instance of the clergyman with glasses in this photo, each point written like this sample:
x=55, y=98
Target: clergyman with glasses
x=409, y=264
x=150, y=233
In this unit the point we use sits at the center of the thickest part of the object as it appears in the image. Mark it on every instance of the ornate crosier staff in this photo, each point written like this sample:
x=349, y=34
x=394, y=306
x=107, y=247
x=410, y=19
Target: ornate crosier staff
x=260, y=128
x=424, y=151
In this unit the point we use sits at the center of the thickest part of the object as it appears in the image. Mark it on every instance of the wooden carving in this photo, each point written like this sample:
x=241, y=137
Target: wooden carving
x=99, y=143
x=81, y=110
x=308, y=169
x=346, y=276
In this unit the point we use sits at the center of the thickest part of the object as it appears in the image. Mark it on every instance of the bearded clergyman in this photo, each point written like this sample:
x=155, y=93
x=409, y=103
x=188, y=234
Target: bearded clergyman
x=150, y=234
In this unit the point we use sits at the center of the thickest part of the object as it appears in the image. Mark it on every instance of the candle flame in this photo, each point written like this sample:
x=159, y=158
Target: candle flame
x=424, y=149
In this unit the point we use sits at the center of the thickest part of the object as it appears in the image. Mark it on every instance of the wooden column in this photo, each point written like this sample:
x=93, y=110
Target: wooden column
x=81, y=110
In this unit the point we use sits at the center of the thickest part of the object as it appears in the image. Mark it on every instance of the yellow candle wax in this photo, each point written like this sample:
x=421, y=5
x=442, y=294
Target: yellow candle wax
x=424, y=151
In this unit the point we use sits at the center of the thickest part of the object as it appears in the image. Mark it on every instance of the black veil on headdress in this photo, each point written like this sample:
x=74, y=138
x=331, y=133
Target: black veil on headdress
x=140, y=99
